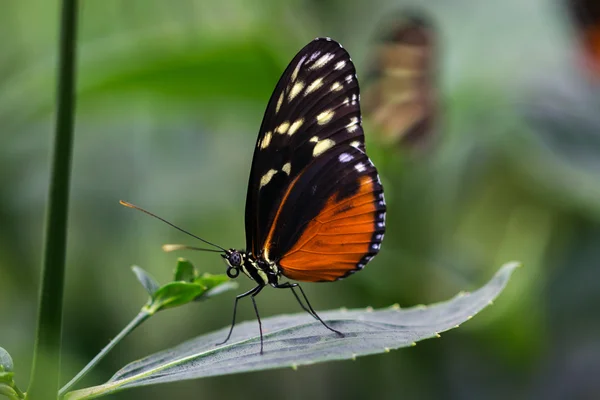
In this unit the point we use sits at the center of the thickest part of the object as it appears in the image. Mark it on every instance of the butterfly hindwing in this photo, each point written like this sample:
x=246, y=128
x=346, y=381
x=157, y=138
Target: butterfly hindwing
x=312, y=119
x=333, y=220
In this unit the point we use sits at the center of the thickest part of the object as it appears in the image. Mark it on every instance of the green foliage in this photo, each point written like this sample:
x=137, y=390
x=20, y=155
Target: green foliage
x=186, y=287
x=147, y=281
x=6, y=362
x=8, y=391
x=214, y=284
x=184, y=271
x=170, y=97
x=295, y=340
x=172, y=294
x=8, y=387
x=46, y=355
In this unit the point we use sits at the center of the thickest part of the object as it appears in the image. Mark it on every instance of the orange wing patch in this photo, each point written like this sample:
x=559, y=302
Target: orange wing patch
x=592, y=49
x=335, y=242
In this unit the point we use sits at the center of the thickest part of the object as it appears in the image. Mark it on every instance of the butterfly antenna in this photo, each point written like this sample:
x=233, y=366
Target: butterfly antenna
x=174, y=247
x=126, y=204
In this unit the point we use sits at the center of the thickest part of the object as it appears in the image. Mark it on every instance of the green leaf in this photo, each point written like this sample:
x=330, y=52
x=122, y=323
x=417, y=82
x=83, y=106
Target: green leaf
x=147, y=281
x=215, y=284
x=175, y=294
x=6, y=362
x=184, y=271
x=295, y=340
x=218, y=69
x=211, y=281
x=8, y=391
x=178, y=293
x=216, y=290
x=6, y=377
x=8, y=387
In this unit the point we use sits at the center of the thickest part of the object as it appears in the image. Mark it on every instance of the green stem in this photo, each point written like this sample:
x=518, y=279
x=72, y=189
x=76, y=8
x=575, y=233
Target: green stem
x=137, y=321
x=46, y=357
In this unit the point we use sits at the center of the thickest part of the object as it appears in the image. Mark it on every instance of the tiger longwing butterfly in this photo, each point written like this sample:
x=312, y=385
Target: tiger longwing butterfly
x=315, y=210
x=400, y=99
x=586, y=15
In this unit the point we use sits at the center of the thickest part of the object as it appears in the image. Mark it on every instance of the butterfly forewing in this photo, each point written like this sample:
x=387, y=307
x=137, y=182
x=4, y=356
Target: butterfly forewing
x=305, y=162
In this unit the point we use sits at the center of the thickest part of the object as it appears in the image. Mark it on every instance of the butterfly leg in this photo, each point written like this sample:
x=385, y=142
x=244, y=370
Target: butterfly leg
x=310, y=310
x=288, y=285
x=252, y=292
x=258, y=316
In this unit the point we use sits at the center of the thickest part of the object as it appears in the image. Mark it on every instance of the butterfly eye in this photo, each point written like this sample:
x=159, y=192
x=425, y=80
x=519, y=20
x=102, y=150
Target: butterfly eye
x=235, y=259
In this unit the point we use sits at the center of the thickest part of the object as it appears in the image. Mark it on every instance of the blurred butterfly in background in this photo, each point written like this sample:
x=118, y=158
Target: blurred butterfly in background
x=400, y=99
x=586, y=17
x=315, y=210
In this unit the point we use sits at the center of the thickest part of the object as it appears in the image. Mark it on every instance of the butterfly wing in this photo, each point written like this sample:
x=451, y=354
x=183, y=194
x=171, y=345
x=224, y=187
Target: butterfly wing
x=332, y=221
x=586, y=15
x=400, y=99
x=309, y=163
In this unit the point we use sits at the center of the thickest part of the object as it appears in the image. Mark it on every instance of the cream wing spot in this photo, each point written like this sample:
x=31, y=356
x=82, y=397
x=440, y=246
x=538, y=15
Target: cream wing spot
x=340, y=64
x=325, y=117
x=295, y=126
x=297, y=69
x=297, y=88
x=283, y=127
x=266, y=140
x=287, y=168
x=353, y=125
x=324, y=59
x=355, y=144
x=317, y=83
x=314, y=139
x=279, y=103
x=336, y=87
x=322, y=146
x=360, y=167
x=266, y=178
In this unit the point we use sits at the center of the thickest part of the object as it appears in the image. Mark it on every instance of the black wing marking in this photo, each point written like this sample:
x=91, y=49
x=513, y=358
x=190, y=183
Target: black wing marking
x=314, y=108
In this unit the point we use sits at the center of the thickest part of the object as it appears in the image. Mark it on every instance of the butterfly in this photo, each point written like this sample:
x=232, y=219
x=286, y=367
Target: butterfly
x=315, y=209
x=586, y=16
x=400, y=98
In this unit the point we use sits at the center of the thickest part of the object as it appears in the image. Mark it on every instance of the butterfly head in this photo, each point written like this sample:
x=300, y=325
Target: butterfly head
x=235, y=260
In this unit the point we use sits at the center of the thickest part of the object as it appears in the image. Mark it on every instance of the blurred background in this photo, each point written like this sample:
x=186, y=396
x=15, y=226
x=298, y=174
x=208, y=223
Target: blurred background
x=170, y=99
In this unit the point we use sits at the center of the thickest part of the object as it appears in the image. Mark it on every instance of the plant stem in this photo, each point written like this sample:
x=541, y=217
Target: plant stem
x=137, y=321
x=46, y=357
